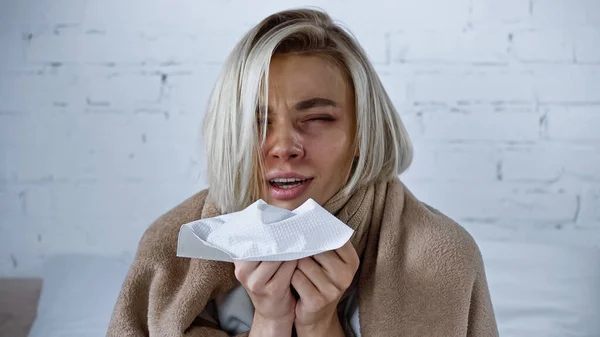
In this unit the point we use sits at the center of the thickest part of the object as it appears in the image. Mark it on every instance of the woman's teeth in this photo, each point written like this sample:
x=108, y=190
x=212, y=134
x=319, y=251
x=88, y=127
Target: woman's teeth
x=286, y=186
x=287, y=183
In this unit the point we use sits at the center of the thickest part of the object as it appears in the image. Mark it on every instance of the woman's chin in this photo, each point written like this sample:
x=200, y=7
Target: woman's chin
x=287, y=204
x=288, y=198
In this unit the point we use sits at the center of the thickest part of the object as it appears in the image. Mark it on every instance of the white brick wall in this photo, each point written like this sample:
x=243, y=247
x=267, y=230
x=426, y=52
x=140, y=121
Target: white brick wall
x=100, y=105
x=539, y=46
x=586, y=45
x=574, y=123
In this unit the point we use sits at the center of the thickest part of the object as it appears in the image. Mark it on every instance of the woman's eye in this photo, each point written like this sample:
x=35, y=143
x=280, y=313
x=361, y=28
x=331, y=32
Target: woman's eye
x=322, y=118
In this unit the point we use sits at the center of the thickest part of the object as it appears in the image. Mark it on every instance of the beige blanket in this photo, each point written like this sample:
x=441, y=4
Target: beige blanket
x=421, y=274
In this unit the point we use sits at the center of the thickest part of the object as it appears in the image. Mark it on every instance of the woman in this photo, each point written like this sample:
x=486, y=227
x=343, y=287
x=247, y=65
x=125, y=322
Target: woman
x=298, y=112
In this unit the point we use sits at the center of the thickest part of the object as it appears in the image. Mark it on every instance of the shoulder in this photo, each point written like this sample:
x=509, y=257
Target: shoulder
x=159, y=241
x=437, y=241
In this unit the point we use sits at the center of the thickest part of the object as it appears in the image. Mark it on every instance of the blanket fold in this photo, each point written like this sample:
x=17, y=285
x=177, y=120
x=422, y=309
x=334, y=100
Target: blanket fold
x=421, y=274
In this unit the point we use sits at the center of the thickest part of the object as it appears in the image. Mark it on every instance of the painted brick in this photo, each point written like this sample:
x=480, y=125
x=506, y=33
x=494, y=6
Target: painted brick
x=190, y=91
x=20, y=250
x=550, y=162
x=573, y=123
x=461, y=162
x=477, y=46
x=490, y=202
x=80, y=201
x=413, y=124
x=500, y=12
x=123, y=92
x=531, y=164
x=40, y=148
x=396, y=85
x=482, y=86
x=586, y=45
x=566, y=13
x=130, y=45
x=65, y=11
x=551, y=84
x=22, y=12
x=543, y=46
x=430, y=14
x=26, y=91
x=12, y=52
x=37, y=202
x=589, y=215
x=516, y=126
x=11, y=204
x=143, y=147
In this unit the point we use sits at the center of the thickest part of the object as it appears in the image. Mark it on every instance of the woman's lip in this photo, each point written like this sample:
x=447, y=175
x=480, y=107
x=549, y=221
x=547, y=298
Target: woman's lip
x=285, y=175
x=288, y=193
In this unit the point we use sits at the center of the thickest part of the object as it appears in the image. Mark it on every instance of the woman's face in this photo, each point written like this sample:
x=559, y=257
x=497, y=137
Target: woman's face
x=308, y=150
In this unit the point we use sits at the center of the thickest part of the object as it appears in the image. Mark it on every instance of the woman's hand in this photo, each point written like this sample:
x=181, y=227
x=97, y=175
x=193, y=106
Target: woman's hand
x=268, y=284
x=321, y=280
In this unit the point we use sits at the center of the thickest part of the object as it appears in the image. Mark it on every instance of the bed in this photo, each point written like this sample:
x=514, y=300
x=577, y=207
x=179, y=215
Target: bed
x=537, y=290
x=74, y=298
x=18, y=303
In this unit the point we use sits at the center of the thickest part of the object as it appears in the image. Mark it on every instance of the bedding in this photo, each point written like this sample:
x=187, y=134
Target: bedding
x=78, y=295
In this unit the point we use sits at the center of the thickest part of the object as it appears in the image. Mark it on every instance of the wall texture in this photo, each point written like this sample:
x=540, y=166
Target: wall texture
x=101, y=101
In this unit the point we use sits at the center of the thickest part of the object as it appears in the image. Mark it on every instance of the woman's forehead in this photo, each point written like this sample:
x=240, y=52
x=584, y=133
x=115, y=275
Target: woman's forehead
x=303, y=77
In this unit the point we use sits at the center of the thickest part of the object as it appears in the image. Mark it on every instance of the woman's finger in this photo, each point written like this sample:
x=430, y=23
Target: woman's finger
x=304, y=287
x=348, y=254
x=330, y=261
x=261, y=275
x=284, y=273
x=317, y=276
x=266, y=270
x=243, y=269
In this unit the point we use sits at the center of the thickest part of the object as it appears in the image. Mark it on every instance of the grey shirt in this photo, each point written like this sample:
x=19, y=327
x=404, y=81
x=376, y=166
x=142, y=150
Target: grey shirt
x=234, y=311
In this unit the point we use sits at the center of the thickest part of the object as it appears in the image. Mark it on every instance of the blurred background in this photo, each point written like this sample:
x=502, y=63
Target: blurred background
x=101, y=103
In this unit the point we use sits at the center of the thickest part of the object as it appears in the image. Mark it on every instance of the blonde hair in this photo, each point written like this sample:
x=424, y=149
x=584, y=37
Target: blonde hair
x=231, y=135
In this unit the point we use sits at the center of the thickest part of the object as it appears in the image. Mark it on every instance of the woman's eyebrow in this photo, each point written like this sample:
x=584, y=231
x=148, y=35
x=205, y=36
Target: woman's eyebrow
x=314, y=102
x=303, y=105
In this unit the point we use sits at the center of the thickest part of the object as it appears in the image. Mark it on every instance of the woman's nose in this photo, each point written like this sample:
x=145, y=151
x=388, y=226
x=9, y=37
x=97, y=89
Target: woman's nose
x=284, y=143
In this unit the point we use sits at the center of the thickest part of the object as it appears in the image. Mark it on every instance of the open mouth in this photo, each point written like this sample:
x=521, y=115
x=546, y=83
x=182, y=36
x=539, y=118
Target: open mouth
x=287, y=183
